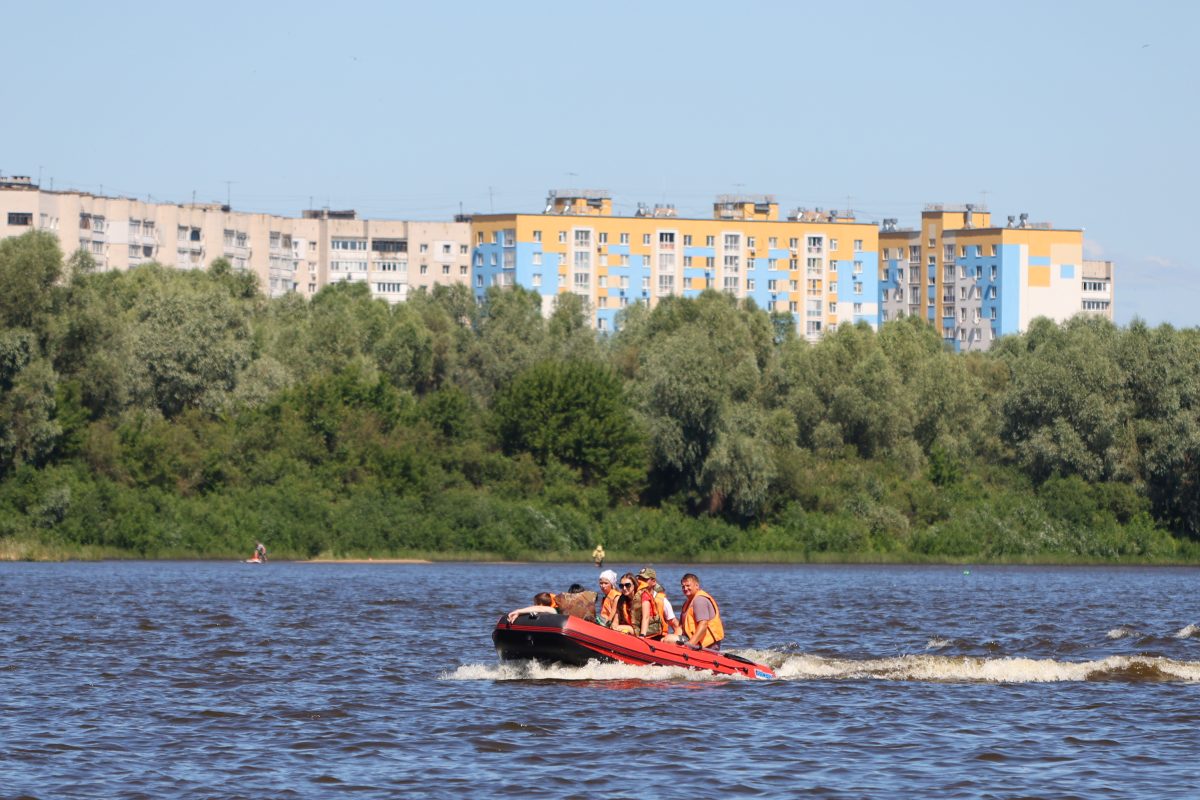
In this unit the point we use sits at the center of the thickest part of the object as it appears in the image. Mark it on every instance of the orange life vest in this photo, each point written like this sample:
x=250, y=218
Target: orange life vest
x=715, y=631
x=657, y=625
x=608, y=607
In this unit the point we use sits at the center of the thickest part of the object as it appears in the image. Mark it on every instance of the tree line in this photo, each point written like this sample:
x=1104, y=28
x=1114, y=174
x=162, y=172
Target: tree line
x=164, y=413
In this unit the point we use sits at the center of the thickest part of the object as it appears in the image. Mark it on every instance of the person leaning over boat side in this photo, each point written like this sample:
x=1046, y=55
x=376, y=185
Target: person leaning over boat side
x=702, y=626
x=543, y=603
x=260, y=551
x=628, y=616
x=609, y=595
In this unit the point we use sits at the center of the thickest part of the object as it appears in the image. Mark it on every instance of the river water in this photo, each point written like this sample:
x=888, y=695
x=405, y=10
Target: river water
x=184, y=679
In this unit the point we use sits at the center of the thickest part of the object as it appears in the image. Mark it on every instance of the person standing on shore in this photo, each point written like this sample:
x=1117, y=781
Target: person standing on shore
x=598, y=556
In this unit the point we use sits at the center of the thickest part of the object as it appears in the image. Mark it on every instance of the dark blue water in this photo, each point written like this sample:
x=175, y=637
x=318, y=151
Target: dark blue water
x=379, y=680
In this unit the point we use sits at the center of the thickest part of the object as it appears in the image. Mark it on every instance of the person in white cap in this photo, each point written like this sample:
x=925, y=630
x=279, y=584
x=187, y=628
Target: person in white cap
x=609, y=594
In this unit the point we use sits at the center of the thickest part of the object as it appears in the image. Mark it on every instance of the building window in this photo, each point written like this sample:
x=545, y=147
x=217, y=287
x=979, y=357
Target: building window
x=858, y=287
x=445, y=269
x=858, y=309
x=646, y=239
x=750, y=242
x=733, y=241
x=687, y=240
x=732, y=263
x=603, y=238
x=582, y=281
x=583, y=238
x=395, y=245
x=858, y=245
x=17, y=218
x=624, y=238
x=537, y=236
x=858, y=268
x=424, y=248
x=537, y=279
x=709, y=241
x=730, y=284
x=687, y=261
x=993, y=272
x=424, y=269
x=479, y=281
x=833, y=286
x=562, y=237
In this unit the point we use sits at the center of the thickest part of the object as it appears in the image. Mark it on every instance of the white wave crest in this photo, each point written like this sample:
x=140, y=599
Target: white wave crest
x=937, y=643
x=987, y=670
x=1188, y=632
x=592, y=671
x=1122, y=632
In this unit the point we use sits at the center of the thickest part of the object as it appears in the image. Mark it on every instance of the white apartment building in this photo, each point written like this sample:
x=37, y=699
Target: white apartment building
x=287, y=254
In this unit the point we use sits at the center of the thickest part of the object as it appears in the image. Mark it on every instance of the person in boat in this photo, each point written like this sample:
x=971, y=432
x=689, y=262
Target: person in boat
x=671, y=622
x=543, y=603
x=260, y=552
x=702, y=625
x=609, y=595
x=628, y=617
x=644, y=613
x=598, y=556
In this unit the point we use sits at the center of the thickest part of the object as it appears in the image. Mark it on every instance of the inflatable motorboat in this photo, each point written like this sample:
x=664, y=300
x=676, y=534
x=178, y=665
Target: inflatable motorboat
x=560, y=639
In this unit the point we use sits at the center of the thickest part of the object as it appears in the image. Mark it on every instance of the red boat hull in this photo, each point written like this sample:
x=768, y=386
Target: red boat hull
x=555, y=638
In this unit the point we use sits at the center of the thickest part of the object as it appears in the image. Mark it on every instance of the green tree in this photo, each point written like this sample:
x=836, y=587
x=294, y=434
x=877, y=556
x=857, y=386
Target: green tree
x=30, y=265
x=574, y=413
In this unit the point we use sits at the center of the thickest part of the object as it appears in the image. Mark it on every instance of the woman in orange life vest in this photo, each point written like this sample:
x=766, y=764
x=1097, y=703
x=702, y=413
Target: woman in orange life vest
x=628, y=616
x=609, y=595
x=702, y=626
x=639, y=611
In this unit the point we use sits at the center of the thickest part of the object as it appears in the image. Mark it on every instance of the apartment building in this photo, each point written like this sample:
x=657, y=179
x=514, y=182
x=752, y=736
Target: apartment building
x=820, y=267
x=976, y=282
x=287, y=254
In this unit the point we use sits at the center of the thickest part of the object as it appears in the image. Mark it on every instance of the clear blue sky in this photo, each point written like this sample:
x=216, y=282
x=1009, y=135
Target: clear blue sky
x=1084, y=114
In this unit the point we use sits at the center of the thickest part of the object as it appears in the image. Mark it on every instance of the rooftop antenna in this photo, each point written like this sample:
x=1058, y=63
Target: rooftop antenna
x=491, y=204
x=227, y=185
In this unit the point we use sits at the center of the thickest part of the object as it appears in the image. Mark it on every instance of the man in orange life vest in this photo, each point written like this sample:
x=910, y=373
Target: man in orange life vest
x=702, y=625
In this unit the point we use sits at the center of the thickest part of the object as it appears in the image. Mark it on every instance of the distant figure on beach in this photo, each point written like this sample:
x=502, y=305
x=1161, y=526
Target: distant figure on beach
x=260, y=552
x=598, y=556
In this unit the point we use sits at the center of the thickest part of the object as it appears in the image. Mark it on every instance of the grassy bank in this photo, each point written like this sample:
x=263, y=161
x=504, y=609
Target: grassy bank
x=17, y=550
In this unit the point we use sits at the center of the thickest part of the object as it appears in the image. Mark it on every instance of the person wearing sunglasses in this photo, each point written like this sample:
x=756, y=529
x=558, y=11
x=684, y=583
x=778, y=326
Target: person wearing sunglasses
x=628, y=617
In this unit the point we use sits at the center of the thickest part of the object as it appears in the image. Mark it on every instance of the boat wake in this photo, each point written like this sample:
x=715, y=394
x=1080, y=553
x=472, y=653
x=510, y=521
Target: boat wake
x=927, y=668
x=592, y=671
